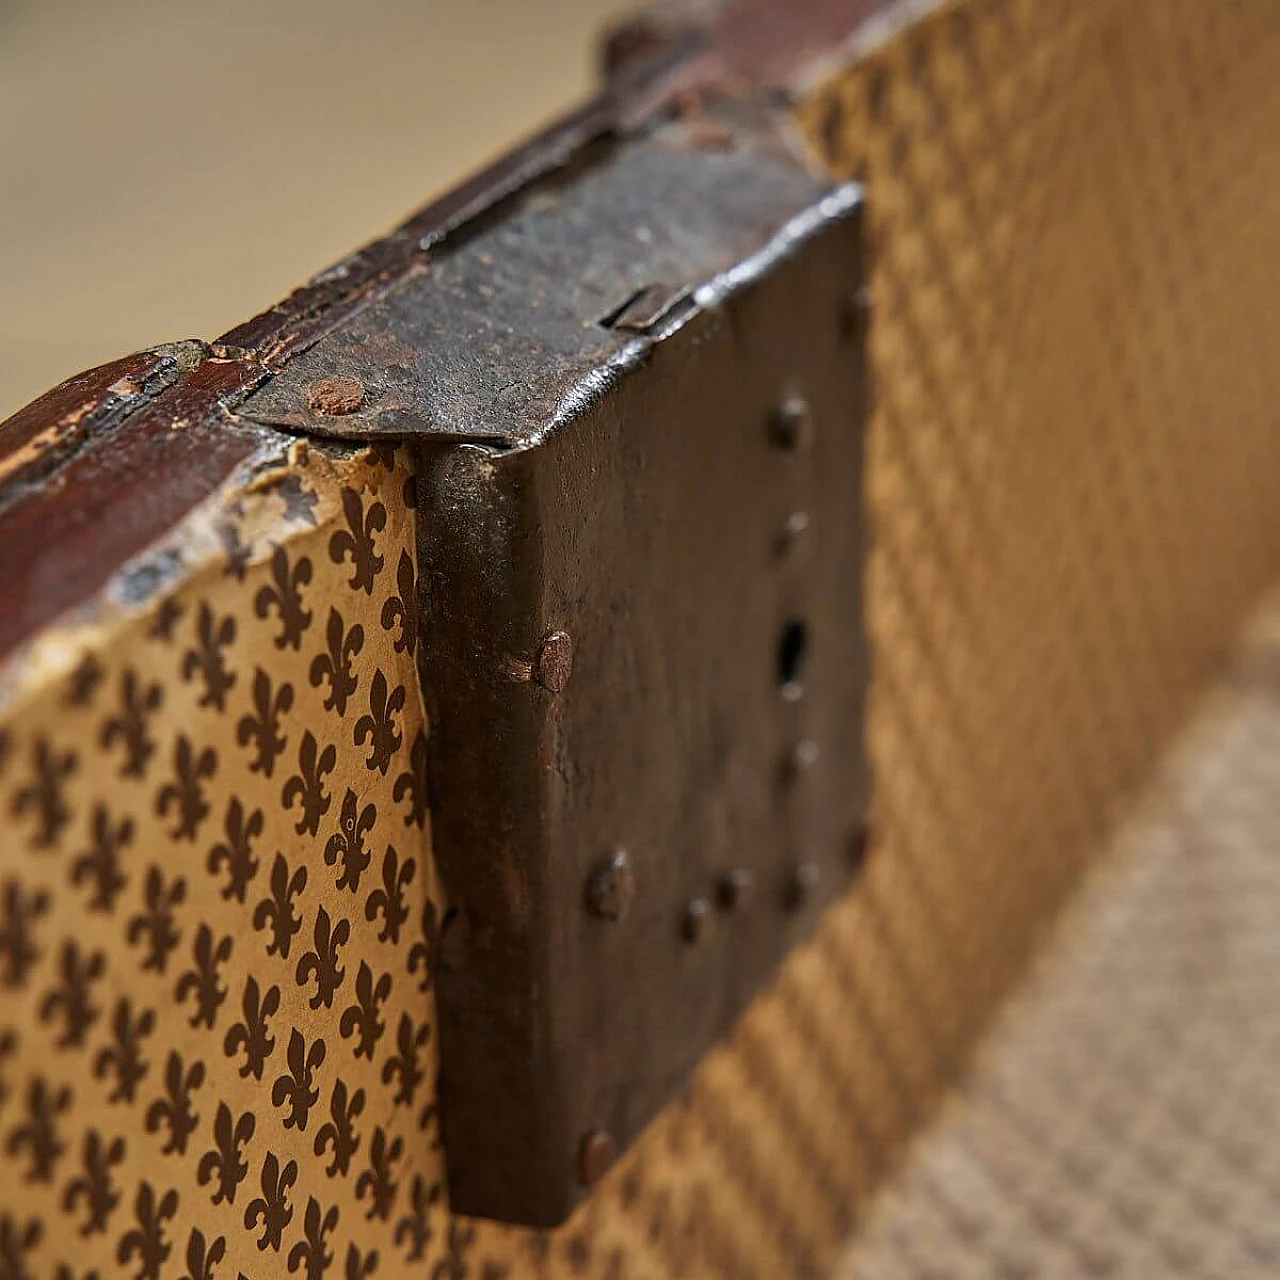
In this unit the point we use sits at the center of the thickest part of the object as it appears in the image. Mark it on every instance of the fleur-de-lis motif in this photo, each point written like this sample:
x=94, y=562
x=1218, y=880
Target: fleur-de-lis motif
x=223, y=1160
x=65, y=1272
x=100, y=863
x=299, y=501
x=379, y=726
x=208, y=659
x=428, y=1118
x=94, y=1187
x=295, y=1088
x=165, y=619
x=148, y=1241
x=174, y=1110
x=18, y=915
x=253, y=1033
x=412, y=783
x=202, y=978
x=361, y=1019
x=286, y=597
x=376, y=1181
x=122, y=1058
x=186, y=792
x=347, y=842
x=359, y=1266
x=425, y=955
x=415, y=1226
x=359, y=543
x=8, y=1048
x=71, y=999
x=203, y=1257
x=403, y=609
x=403, y=1066
x=339, y=1132
x=335, y=664
x=309, y=1252
x=45, y=795
x=38, y=1132
x=263, y=728
x=139, y=701
x=16, y=1241
x=84, y=681
x=155, y=924
x=272, y=1208
x=322, y=962
x=384, y=451
x=308, y=786
x=238, y=553
x=236, y=852
x=277, y=909
x=389, y=900
x=453, y=1266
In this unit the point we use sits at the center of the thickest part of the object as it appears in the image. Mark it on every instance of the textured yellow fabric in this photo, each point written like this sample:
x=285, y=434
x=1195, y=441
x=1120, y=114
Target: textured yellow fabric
x=1074, y=474
x=1122, y=1119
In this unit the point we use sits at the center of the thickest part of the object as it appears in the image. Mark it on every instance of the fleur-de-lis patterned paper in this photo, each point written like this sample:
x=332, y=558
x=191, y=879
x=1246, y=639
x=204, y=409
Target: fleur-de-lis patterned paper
x=220, y=919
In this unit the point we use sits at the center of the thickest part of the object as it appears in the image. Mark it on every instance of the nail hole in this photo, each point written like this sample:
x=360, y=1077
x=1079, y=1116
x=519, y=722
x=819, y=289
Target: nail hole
x=791, y=655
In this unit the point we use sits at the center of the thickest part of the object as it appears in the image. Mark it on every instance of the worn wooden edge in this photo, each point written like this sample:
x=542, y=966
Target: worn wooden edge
x=103, y=465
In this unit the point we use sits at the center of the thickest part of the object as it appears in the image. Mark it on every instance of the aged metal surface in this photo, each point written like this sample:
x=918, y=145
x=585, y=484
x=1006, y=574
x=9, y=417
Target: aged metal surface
x=507, y=335
x=709, y=724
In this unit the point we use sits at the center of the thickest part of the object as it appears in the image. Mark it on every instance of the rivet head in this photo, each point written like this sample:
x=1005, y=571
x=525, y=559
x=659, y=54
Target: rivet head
x=855, y=315
x=335, y=397
x=611, y=889
x=802, y=884
x=736, y=888
x=803, y=757
x=792, y=424
x=696, y=925
x=791, y=537
x=554, y=662
x=596, y=1153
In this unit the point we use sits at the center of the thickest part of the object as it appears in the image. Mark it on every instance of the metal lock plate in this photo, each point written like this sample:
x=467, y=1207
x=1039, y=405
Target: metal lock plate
x=639, y=404
x=649, y=758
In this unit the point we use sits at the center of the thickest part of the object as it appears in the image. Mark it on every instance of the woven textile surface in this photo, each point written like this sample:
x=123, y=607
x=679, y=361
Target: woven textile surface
x=1122, y=1119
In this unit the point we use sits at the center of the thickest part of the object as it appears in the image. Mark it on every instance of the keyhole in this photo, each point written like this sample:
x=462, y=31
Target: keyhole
x=792, y=646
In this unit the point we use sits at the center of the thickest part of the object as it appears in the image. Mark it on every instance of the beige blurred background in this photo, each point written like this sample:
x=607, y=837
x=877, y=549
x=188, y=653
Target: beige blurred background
x=167, y=169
